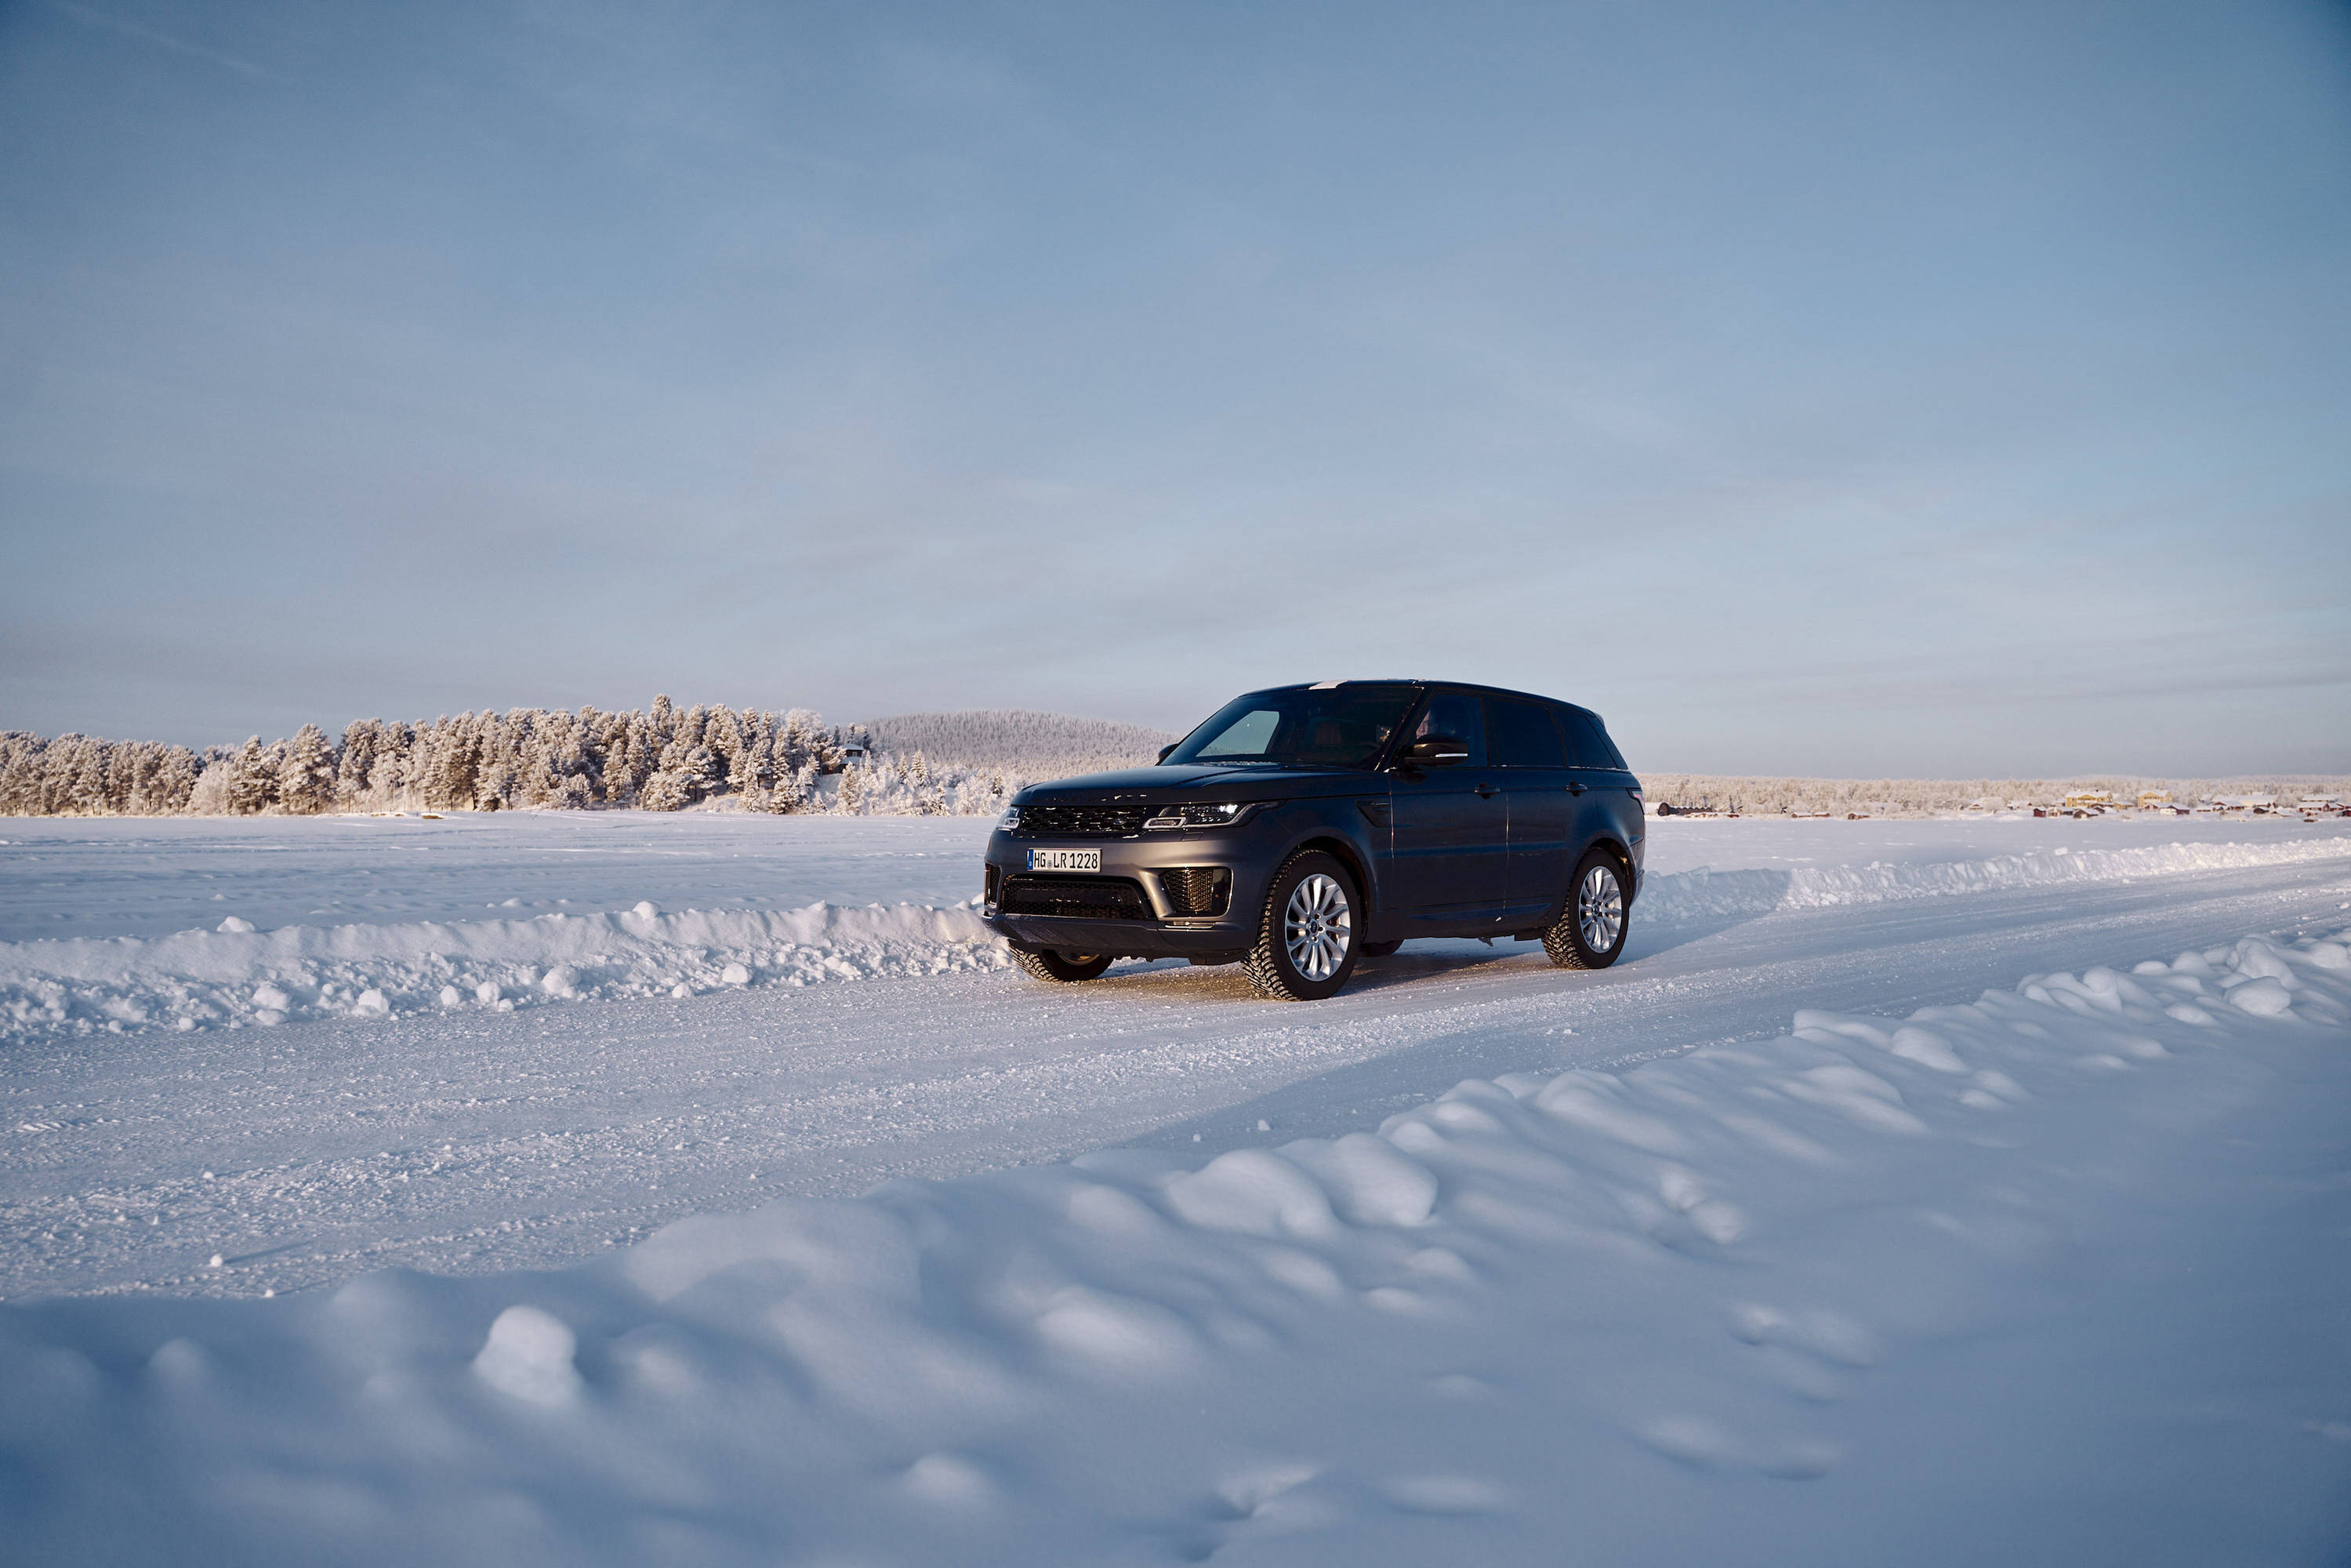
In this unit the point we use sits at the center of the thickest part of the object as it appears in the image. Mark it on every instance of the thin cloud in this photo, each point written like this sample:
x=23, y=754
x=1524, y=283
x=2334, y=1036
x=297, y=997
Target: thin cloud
x=123, y=27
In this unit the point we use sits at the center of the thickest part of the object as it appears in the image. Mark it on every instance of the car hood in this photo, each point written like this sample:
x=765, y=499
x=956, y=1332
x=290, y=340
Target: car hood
x=1179, y=780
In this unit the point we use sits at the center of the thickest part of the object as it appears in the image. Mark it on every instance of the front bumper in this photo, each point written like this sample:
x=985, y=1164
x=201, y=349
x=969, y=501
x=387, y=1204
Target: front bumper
x=1164, y=931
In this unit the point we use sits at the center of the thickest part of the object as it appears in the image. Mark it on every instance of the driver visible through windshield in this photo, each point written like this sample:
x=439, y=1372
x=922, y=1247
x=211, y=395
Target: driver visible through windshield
x=1301, y=727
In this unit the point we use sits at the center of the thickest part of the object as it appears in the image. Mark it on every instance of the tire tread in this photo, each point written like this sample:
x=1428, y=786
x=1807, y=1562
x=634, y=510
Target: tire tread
x=1263, y=965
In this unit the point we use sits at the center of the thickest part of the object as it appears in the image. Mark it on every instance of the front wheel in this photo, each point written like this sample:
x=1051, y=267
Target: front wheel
x=1590, y=932
x=1064, y=966
x=1306, y=939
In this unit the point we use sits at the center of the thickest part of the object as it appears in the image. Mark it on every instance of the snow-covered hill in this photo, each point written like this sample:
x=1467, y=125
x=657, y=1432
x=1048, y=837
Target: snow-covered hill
x=1035, y=744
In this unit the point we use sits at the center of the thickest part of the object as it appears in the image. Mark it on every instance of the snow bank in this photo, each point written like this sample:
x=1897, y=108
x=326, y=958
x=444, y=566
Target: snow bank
x=2054, y=1277
x=236, y=975
x=1680, y=895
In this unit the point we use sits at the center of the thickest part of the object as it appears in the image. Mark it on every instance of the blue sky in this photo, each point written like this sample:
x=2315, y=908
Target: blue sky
x=1855, y=389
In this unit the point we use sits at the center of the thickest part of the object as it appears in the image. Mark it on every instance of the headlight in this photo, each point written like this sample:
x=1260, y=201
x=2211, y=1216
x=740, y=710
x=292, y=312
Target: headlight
x=1220, y=816
x=1011, y=819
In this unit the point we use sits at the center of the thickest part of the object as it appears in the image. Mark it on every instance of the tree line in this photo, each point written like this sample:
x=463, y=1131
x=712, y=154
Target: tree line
x=1879, y=797
x=665, y=760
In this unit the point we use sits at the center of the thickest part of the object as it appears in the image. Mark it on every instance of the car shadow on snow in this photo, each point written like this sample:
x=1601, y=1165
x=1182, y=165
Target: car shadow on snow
x=1419, y=963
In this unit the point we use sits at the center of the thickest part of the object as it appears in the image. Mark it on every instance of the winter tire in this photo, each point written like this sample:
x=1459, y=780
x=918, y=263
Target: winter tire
x=1590, y=932
x=1062, y=966
x=1306, y=939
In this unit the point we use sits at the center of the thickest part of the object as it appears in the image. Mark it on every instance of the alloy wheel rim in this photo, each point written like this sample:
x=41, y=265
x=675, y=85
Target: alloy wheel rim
x=1316, y=925
x=1600, y=910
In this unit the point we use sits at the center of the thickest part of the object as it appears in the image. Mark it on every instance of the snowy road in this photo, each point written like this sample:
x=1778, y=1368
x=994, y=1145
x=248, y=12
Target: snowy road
x=484, y=1141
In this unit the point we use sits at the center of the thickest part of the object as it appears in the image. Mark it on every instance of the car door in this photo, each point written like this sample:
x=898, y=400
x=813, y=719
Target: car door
x=1449, y=835
x=1541, y=791
x=1597, y=778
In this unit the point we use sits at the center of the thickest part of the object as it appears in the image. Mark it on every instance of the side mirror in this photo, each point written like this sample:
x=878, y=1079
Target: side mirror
x=1437, y=751
x=1166, y=749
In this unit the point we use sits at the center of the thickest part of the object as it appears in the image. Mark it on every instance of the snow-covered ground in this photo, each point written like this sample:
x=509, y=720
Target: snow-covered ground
x=1911, y=1192
x=126, y=924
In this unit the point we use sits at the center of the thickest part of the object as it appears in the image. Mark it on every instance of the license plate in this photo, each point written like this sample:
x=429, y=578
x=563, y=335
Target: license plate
x=1065, y=860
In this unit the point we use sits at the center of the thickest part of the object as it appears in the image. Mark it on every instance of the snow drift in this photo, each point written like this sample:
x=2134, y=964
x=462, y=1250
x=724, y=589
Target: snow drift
x=2054, y=1277
x=236, y=975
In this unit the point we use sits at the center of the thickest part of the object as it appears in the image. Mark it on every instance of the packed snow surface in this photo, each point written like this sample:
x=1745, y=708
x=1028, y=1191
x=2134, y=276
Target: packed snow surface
x=2053, y=1275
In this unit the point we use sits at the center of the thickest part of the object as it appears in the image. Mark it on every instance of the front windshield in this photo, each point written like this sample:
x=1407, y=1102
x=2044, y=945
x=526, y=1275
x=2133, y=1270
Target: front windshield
x=1333, y=726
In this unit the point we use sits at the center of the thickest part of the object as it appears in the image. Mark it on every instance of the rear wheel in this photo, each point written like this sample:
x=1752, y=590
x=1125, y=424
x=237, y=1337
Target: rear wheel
x=1051, y=966
x=1306, y=940
x=1590, y=932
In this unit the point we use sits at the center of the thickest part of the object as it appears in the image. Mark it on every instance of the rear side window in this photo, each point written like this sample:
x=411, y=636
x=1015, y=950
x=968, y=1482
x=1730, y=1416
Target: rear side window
x=1523, y=735
x=1454, y=713
x=1587, y=741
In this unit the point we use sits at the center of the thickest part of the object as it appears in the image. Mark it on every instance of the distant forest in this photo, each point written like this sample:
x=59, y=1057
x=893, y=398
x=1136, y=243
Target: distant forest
x=667, y=759
x=671, y=758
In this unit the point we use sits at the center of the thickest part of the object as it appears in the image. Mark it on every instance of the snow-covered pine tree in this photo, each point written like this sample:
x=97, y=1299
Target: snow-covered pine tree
x=929, y=799
x=792, y=790
x=253, y=782
x=502, y=740
x=797, y=742
x=306, y=775
x=356, y=761
x=722, y=733
x=20, y=773
x=754, y=773
x=393, y=771
x=77, y=785
x=446, y=757
x=165, y=780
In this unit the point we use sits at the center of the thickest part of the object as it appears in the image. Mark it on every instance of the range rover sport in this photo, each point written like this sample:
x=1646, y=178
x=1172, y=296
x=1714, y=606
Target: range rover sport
x=1302, y=828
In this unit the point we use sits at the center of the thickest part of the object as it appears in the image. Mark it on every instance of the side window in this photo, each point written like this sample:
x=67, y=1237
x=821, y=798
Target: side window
x=1456, y=714
x=1588, y=742
x=1523, y=735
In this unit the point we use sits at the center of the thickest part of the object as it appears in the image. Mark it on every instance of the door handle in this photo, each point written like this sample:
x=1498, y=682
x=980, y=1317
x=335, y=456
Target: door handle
x=1487, y=792
x=1575, y=787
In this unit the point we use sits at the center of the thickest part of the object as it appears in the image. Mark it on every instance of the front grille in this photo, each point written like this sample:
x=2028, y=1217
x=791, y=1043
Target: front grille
x=1074, y=897
x=1081, y=821
x=1198, y=889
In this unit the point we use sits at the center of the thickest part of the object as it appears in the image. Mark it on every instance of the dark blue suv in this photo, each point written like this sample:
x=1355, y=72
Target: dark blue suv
x=1303, y=827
